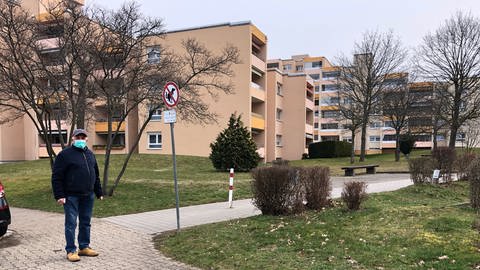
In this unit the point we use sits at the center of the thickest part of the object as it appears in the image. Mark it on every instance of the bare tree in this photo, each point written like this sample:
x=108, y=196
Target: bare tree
x=452, y=55
x=124, y=82
x=396, y=103
x=362, y=79
x=350, y=114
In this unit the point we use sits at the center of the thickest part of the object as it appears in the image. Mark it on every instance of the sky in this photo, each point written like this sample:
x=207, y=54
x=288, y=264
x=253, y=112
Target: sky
x=316, y=27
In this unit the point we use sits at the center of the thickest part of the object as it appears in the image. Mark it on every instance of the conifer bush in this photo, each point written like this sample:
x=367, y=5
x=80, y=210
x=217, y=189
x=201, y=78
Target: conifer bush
x=234, y=148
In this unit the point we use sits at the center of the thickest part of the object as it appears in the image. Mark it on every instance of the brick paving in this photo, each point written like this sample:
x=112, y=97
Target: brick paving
x=37, y=242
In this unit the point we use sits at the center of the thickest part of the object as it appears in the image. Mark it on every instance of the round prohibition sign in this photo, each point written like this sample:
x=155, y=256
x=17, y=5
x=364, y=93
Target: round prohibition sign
x=170, y=94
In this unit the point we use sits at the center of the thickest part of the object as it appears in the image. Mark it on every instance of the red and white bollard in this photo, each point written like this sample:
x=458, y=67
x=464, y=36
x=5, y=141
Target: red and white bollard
x=230, y=189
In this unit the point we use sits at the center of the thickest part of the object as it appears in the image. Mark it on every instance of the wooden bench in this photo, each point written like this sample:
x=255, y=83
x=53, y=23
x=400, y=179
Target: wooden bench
x=350, y=170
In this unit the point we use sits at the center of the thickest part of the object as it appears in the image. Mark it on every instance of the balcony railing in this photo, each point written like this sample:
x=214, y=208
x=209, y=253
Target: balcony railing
x=102, y=127
x=257, y=121
x=256, y=86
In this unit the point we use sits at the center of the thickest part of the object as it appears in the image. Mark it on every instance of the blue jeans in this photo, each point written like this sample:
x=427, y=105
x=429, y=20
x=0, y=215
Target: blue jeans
x=80, y=207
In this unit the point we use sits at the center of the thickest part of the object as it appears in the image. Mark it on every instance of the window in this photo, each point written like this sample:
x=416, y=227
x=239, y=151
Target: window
x=329, y=87
x=423, y=138
x=279, y=89
x=374, y=138
x=317, y=64
x=157, y=115
x=278, y=140
x=315, y=125
x=153, y=55
x=460, y=137
x=287, y=67
x=389, y=137
x=298, y=68
x=440, y=138
x=329, y=114
x=316, y=113
x=333, y=100
x=54, y=137
x=317, y=102
x=155, y=140
x=330, y=126
x=317, y=89
x=279, y=114
x=315, y=76
x=272, y=65
x=376, y=125
x=315, y=137
x=388, y=124
x=330, y=75
x=310, y=65
x=347, y=139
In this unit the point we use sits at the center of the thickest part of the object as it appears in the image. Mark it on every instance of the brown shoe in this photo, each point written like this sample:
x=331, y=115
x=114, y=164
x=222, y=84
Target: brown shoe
x=88, y=252
x=73, y=257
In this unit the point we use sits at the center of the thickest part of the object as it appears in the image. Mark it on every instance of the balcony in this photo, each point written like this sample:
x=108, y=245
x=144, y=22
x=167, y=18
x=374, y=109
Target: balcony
x=48, y=44
x=257, y=92
x=308, y=129
x=309, y=104
x=102, y=127
x=258, y=64
x=257, y=121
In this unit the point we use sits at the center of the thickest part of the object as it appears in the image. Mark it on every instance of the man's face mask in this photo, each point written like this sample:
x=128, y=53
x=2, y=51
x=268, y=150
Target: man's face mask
x=80, y=143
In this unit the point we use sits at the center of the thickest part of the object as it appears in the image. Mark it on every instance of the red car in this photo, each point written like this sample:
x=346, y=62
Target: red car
x=5, y=217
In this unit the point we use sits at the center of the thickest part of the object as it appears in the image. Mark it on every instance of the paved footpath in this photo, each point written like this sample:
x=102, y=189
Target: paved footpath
x=165, y=220
x=36, y=239
x=37, y=242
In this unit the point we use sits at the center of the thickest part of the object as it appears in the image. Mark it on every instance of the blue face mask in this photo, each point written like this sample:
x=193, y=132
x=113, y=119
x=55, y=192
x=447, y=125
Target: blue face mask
x=80, y=143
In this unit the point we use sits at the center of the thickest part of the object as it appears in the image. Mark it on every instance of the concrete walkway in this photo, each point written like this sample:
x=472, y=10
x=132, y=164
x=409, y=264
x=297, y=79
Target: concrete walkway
x=155, y=222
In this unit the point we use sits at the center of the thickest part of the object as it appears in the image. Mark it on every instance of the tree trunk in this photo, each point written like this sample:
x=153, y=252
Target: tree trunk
x=397, y=145
x=453, y=136
x=352, y=153
x=363, y=141
x=107, y=153
x=127, y=158
x=435, y=142
x=81, y=104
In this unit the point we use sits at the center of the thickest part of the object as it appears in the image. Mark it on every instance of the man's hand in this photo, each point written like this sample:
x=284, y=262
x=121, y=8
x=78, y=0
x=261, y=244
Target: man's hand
x=61, y=201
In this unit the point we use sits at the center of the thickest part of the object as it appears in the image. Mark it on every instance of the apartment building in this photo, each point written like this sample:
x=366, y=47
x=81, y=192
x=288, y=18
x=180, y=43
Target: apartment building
x=289, y=114
x=249, y=99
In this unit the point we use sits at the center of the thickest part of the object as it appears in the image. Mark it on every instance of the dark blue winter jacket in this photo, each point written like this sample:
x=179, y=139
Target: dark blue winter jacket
x=75, y=173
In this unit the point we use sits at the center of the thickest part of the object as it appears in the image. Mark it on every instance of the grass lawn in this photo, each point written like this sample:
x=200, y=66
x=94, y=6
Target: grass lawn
x=418, y=227
x=148, y=182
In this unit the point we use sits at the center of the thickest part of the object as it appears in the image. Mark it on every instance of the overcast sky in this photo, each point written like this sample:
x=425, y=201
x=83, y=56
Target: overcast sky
x=315, y=27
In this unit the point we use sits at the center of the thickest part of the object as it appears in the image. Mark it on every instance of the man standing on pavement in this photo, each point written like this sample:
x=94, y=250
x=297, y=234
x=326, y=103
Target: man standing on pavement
x=75, y=183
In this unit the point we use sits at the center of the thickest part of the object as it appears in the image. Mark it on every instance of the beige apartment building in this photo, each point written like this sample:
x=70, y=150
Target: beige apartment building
x=248, y=100
x=290, y=112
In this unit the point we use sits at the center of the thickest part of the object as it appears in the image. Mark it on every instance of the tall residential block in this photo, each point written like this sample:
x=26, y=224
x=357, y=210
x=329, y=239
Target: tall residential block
x=248, y=100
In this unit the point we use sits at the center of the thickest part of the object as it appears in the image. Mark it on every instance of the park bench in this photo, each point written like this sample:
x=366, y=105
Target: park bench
x=350, y=170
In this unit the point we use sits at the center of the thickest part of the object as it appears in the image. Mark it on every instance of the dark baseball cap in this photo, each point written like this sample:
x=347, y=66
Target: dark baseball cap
x=79, y=131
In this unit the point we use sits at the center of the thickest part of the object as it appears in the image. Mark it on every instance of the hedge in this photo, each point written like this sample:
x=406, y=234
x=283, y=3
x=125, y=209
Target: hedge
x=329, y=149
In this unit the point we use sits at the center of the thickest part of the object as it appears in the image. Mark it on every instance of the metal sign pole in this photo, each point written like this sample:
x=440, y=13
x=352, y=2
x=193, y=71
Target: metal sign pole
x=175, y=176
